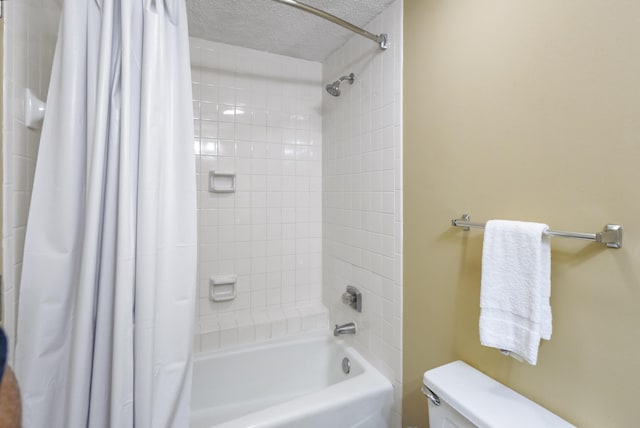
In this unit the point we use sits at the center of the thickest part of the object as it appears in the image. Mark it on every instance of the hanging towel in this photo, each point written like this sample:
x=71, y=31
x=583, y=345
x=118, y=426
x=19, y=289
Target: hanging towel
x=516, y=283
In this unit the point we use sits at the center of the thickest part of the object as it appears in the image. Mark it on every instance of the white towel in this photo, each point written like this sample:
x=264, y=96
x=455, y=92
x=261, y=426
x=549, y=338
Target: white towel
x=516, y=283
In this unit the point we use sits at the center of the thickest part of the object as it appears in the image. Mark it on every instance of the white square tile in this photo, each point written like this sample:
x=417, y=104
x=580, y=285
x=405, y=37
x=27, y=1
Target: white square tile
x=243, y=132
x=229, y=337
x=263, y=331
x=246, y=334
x=209, y=93
x=259, y=232
x=226, y=95
x=259, y=117
x=209, y=129
x=226, y=131
x=258, y=167
x=210, y=341
x=226, y=148
x=258, y=300
x=259, y=133
x=258, y=149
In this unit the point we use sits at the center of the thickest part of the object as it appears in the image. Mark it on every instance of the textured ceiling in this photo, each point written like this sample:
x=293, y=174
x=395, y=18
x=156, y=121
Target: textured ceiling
x=274, y=27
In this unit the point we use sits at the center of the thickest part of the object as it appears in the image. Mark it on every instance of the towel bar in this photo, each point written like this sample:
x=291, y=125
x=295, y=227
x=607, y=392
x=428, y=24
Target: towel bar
x=611, y=235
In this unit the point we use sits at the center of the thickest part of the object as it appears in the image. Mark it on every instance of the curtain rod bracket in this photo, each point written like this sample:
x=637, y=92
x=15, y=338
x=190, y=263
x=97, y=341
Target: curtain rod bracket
x=383, y=40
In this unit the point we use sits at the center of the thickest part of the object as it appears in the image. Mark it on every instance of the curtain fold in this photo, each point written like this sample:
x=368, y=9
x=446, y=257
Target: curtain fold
x=107, y=298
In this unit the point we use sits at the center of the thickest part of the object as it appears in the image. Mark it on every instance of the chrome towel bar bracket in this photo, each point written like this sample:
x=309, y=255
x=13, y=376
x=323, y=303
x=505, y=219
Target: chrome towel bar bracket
x=611, y=235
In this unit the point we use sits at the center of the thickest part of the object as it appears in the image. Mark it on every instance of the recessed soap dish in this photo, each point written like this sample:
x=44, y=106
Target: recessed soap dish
x=222, y=182
x=222, y=288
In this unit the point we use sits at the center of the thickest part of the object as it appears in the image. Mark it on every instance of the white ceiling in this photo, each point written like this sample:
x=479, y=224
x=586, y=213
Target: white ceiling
x=274, y=27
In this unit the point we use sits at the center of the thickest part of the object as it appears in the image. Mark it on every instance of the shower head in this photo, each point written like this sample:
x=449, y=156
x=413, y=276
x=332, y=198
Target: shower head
x=334, y=88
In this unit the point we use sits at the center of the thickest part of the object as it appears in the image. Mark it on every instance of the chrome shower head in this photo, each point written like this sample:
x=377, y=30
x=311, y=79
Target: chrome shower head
x=334, y=88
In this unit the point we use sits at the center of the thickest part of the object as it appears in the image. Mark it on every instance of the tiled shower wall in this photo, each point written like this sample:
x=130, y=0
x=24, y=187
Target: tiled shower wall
x=30, y=32
x=362, y=200
x=258, y=116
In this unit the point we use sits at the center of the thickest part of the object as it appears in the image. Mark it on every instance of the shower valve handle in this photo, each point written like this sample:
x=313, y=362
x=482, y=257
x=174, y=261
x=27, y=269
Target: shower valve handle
x=347, y=298
x=353, y=298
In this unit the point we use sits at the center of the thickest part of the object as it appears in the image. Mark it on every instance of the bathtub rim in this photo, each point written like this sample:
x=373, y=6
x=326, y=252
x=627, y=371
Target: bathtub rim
x=299, y=338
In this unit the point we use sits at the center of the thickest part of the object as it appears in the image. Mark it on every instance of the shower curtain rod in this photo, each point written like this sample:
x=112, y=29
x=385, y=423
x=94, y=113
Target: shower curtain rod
x=380, y=39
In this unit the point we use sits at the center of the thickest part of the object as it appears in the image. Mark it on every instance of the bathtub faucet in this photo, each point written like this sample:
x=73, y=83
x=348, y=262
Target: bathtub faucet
x=348, y=328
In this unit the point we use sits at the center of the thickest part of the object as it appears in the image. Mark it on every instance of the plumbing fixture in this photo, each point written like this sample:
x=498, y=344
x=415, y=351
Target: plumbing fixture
x=346, y=365
x=348, y=328
x=334, y=88
x=353, y=298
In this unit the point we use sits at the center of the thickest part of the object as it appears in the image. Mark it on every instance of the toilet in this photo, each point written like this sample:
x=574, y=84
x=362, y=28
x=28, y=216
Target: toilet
x=460, y=396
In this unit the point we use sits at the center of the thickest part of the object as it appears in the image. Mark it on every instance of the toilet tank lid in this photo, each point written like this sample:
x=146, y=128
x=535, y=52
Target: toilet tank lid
x=486, y=402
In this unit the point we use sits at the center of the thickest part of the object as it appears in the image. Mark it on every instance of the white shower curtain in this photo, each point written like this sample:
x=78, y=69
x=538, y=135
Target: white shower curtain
x=108, y=285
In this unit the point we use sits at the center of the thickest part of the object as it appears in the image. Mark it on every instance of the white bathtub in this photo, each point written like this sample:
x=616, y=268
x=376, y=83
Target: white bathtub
x=286, y=384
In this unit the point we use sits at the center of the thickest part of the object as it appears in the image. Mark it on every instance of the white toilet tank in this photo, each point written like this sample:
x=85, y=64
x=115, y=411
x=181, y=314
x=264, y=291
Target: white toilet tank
x=468, y=399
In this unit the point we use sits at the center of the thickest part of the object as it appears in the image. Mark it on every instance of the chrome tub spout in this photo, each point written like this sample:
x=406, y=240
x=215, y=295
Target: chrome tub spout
x=348, y=328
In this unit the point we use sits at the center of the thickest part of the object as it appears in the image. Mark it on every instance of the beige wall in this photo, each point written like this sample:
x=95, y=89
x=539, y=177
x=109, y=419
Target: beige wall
x=525, y=110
